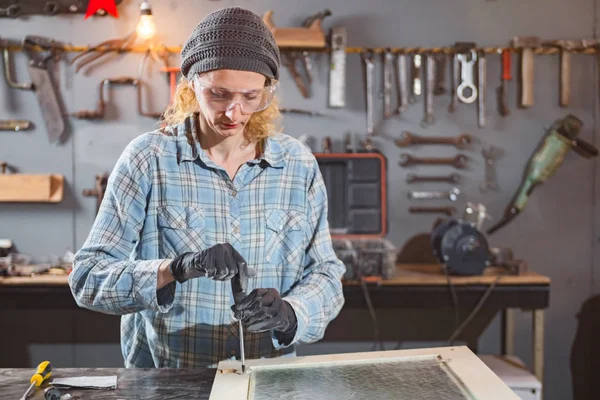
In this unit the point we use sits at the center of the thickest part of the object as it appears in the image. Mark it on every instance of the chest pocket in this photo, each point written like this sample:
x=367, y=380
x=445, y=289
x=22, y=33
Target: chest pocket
x=284, y=237
x=180, y=229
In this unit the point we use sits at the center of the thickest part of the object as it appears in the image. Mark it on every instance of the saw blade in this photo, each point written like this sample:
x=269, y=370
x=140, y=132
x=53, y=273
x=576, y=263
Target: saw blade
x=48, y=101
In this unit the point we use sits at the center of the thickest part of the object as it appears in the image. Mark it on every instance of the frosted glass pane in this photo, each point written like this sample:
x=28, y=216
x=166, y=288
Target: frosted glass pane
x=393, y=380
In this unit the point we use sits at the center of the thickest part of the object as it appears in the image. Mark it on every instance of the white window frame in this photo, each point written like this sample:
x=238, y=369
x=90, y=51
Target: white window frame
x=464, y=366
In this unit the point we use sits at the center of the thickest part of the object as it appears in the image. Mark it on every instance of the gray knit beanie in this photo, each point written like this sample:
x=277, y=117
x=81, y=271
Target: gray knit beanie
x=231, y=38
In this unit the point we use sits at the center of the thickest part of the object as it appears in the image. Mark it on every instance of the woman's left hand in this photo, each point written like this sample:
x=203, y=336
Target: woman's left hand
x=263, y=310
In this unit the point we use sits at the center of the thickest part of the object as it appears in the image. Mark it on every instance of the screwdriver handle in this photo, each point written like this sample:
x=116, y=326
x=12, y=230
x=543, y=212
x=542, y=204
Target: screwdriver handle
x=506, y=64
x=43, y=372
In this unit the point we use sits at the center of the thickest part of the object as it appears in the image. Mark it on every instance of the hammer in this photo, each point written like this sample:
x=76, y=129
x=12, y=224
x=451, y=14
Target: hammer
x=565, y=47
x=525, y=43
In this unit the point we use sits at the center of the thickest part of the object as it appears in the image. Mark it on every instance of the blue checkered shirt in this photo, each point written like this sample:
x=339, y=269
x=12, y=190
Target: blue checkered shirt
x=166, y=197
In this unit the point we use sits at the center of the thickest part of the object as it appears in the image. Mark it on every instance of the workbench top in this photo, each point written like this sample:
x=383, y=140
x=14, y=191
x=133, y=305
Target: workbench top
x=132, y=383
x=406, y=274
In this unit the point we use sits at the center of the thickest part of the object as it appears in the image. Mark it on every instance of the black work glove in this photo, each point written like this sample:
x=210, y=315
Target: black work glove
x=219, y=262
x=263, y=310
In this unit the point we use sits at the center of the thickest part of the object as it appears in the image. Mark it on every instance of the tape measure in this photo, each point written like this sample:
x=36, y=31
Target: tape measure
x=337, y=69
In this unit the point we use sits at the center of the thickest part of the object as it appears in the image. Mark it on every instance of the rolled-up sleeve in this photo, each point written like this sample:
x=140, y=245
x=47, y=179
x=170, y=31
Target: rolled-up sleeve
x=318, y=298
x=106, y=277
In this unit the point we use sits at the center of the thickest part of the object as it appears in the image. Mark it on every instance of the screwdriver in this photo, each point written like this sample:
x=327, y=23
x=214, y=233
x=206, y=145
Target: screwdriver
x=43, y=372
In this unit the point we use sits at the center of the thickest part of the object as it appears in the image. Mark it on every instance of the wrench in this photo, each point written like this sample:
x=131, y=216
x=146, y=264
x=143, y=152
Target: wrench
x=451, y=195
x=429, y=87
x=459, y=161
x=401, y=83
x=416, y=77
x=452, y=178
x=482, y=89
x=489, y=155
x=367, y=56
x=454, y=77
x=444, y=210
x=388, y=59
x=466, y=76
x=407, y=138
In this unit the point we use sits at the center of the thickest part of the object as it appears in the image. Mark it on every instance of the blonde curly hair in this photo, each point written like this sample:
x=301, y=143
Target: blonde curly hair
x=260, y=125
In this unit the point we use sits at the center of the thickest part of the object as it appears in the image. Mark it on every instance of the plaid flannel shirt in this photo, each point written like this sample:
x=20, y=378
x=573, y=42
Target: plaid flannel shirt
x=165, y=197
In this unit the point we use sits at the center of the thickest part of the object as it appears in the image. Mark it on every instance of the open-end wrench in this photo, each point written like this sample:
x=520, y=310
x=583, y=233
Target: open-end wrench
x=449, y=211
x=452, y=178
x=466, y=77
x=429, y=86
x=451, y=194
x=489, y=154
x=416, y=78
x=459, y=161
x=482, y=89
x=401, y=83
x=388, y=61
x=454, y=77
x=407, y=138
x=367, y=56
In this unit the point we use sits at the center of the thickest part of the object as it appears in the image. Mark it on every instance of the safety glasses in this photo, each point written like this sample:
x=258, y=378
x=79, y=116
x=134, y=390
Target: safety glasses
x=223, y=99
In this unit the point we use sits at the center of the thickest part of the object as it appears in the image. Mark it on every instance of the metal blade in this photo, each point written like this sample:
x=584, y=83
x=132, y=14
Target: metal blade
x=48, y=102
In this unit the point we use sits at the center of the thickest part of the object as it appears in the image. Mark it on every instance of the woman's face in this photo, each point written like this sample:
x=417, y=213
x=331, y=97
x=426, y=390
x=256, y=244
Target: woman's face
x=217, y=88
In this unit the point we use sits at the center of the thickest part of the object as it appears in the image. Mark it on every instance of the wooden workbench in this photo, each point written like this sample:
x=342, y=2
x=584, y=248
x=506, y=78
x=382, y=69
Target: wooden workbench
x=414, y=289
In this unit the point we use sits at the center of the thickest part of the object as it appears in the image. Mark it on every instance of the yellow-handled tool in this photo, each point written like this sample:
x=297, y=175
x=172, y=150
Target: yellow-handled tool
x=42, y=373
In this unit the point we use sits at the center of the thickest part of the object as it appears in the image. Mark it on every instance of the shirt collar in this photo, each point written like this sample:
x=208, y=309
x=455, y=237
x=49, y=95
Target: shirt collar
x=188, y=145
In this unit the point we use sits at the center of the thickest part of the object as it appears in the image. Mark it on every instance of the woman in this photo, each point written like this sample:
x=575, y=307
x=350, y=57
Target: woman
x=186, y=204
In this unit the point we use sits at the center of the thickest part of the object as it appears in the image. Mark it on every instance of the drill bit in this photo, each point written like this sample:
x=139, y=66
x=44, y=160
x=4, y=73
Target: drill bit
x=242, y=348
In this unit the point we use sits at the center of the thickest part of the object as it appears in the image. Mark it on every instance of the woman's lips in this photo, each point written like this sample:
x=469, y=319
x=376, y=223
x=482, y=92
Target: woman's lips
x=228, y=126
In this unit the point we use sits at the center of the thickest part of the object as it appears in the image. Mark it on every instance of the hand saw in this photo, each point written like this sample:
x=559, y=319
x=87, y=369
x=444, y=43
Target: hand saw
x=41, y=50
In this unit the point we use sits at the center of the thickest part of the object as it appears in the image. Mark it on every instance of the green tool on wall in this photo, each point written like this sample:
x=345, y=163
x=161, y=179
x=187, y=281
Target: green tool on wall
x=559, y=139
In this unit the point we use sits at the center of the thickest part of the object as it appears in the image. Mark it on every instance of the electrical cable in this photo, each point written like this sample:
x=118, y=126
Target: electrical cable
x=376, y=340
x=475, y=310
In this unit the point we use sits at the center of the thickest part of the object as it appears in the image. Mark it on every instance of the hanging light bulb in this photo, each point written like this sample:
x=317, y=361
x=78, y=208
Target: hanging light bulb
x=146, y=29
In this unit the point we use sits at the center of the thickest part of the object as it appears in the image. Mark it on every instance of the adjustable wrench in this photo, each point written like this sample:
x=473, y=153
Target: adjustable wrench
x=367, y=56
x=388, y=59
x=45, y=91
x=482, y=89
x=429, y=87
x=489, y=155
x=401, y=83
x=466, y=76
x=416, y=78
x=459, y=161
x=451, y=195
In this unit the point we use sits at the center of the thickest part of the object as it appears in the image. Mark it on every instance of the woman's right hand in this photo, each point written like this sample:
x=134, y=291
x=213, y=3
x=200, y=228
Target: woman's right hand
x=219, y=262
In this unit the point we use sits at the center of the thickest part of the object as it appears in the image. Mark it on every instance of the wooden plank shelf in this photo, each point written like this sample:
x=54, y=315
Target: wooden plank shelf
x=31, y=188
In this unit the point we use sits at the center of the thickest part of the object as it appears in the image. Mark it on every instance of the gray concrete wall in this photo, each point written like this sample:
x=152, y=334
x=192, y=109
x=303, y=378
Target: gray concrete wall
x=556, y=234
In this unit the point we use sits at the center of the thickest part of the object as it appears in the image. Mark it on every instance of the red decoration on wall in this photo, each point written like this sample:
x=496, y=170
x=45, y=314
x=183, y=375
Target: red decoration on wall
x=107, y=5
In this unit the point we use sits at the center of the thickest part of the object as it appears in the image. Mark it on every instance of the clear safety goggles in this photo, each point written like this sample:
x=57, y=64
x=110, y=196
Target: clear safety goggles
x=223, y=99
